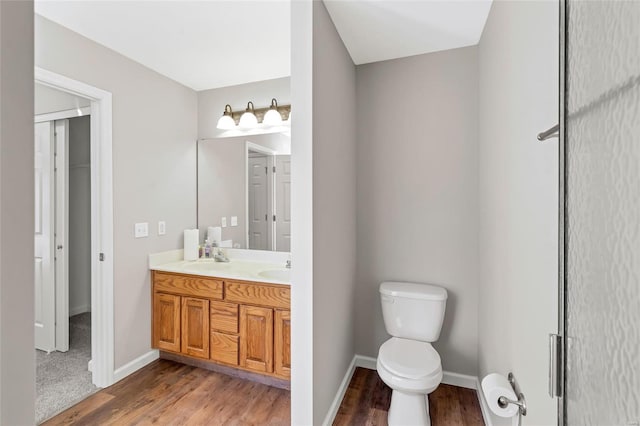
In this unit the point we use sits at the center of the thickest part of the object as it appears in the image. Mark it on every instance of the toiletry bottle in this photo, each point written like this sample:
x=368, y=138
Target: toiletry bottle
x=207, y=249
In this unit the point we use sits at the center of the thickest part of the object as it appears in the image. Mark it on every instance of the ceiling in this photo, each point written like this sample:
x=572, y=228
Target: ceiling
x=201, y=44
x=378, y=30
x=211, y=44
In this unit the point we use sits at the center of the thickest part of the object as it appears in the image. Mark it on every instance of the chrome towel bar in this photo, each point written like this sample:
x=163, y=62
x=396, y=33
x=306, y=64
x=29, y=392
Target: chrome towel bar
x=550, y=133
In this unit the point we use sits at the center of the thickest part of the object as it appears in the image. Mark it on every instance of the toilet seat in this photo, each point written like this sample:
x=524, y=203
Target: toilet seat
x=409, y=358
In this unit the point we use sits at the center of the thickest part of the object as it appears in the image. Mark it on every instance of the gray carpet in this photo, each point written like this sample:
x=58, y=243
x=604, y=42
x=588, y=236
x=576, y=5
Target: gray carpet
x=62, y=378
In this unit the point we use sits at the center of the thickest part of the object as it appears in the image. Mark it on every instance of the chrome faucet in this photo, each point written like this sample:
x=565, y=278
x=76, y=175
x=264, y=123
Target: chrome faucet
x=219, y=255
x=288, y=265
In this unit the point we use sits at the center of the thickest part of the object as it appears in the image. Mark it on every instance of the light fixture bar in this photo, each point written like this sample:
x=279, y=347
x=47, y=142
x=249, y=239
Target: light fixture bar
x=284, y=111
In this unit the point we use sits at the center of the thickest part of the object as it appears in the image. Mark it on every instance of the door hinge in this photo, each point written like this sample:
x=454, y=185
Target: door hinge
x=266, y=170
x=555, y=365
x=274, y=169
x=101, y=257
x=265, y=217
x=274, y=217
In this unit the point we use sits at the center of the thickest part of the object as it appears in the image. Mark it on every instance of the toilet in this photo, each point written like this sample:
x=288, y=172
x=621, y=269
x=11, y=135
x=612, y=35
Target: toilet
x=407, y=363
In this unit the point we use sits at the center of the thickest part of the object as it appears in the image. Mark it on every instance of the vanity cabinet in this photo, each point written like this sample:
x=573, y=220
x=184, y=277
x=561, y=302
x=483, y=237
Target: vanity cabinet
x=282, y=343
x=246, y=325
x=195, y=327
x=166, y=322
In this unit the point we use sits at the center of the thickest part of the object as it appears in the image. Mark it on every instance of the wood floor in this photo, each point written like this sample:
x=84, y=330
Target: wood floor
x=367, y=401
x=169, y=393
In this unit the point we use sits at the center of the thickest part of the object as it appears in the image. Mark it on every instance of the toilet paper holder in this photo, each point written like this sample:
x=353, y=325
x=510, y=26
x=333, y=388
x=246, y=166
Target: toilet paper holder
x=503, y=401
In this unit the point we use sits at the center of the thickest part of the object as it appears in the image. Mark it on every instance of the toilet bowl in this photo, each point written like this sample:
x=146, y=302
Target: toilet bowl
x=412, y=369
x=407, y=363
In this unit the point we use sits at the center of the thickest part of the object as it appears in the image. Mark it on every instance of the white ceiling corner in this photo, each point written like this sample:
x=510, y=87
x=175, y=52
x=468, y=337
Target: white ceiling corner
x=378, y=30
x=201, y=44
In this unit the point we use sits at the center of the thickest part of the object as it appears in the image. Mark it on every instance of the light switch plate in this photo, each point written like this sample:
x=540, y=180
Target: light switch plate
x=142, y=230
x=162, y=227
x=224, y=222
x=234, y=220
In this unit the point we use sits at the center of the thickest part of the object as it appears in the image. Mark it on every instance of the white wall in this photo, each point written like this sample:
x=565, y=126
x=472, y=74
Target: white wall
x=51, y=100
x=211, y=103
x=154, y=166
x=17, y=356
x=518, y=181
x=302, y=339
x=79, y=244
x=418, y=194
x=334, y=210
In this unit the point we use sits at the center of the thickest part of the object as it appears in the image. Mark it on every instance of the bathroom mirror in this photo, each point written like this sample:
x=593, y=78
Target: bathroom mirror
x=244, y=188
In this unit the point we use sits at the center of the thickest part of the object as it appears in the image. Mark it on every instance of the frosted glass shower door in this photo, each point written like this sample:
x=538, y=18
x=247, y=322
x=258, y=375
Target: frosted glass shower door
x=602, y=216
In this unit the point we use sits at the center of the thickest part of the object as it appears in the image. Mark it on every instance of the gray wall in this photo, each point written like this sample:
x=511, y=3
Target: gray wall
x=417, y=193
x=51, y=100
x=17, y=357
x=79, y=243
x=154, y=173
x=211, y=102
x=334, y=210
x=518, y=180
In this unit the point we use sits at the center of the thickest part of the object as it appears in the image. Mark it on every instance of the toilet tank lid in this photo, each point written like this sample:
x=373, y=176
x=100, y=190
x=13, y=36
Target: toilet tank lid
x=413, y=290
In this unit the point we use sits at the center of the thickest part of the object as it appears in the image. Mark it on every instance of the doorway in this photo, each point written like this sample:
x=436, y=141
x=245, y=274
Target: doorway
x=62, y=250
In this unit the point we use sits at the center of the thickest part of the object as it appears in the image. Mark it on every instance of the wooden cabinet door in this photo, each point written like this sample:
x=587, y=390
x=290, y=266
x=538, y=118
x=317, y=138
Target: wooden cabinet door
x=282, y=343
x=195, y=327
x=256, y=338
x=166, y=322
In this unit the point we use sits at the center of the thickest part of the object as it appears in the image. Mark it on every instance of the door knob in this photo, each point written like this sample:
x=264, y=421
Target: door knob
x=59, y=247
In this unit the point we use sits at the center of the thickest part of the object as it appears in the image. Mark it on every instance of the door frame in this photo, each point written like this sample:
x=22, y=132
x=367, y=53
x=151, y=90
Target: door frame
x=102, y=300
x=252, y=146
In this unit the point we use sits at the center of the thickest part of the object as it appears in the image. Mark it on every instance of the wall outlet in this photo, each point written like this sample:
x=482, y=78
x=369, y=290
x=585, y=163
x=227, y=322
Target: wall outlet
x=234, y=220
x=162, y=227
x=141, y=230
x=223, y=221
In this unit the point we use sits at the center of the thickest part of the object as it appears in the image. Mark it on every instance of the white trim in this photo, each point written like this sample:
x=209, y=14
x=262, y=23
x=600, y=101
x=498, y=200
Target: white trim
x=459, y=380
x=248, y=145
x=61, y=233
x=365, y=362
x=61, y=115
x=484, y=407
x=135, y=365
x=102, y=317
x=344, y=385
x=75, y=310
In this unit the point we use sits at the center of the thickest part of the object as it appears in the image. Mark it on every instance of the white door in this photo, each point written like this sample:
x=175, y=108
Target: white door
x=258, y=204
x=44, y=227
x=61, y=263
x=283, y=203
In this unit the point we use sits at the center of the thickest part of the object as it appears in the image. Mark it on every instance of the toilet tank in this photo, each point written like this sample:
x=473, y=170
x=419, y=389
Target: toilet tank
x=413, y=311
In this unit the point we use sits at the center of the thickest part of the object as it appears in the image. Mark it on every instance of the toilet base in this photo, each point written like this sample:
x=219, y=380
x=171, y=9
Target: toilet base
x=408, y=409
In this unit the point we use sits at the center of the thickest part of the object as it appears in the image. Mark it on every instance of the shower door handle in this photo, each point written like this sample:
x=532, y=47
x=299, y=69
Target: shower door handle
x=555, y=365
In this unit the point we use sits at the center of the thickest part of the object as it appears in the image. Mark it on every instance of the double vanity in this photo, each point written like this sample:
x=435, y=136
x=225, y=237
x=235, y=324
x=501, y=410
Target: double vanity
x=232, y=317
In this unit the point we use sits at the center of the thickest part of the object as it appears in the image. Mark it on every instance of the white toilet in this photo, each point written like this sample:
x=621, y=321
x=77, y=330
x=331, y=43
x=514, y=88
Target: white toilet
x=407, y=363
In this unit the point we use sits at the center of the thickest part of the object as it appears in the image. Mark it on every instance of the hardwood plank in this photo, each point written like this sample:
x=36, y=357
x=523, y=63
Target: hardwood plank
x=169, y=393
x=367, y=401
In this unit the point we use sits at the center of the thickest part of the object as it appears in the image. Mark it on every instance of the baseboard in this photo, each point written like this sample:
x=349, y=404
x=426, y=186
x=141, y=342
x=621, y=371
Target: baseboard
x=135, y=365
x=459, y=380
x=79, y=310
x=335, y=405
x=484, y=407
x=365, y=362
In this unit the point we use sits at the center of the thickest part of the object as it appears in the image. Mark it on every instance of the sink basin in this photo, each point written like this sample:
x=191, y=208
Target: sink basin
x=207, y=267
x=276, y=274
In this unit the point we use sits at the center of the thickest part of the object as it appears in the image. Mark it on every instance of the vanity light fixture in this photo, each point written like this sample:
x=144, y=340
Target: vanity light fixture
x=248, y=119
x=272, y=117
x=226, y=122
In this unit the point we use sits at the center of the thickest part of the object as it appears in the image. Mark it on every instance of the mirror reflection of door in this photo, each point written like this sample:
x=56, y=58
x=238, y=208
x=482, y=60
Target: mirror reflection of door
x=259, y=197
x=283, y=203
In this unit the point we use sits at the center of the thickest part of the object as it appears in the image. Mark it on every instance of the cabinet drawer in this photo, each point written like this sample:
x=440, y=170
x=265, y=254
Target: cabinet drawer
x=189, y=285
x=224, y=348
x=257, y=294
x=224, y=317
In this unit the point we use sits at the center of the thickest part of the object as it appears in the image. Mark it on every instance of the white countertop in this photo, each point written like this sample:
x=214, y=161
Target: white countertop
x=237, y=268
